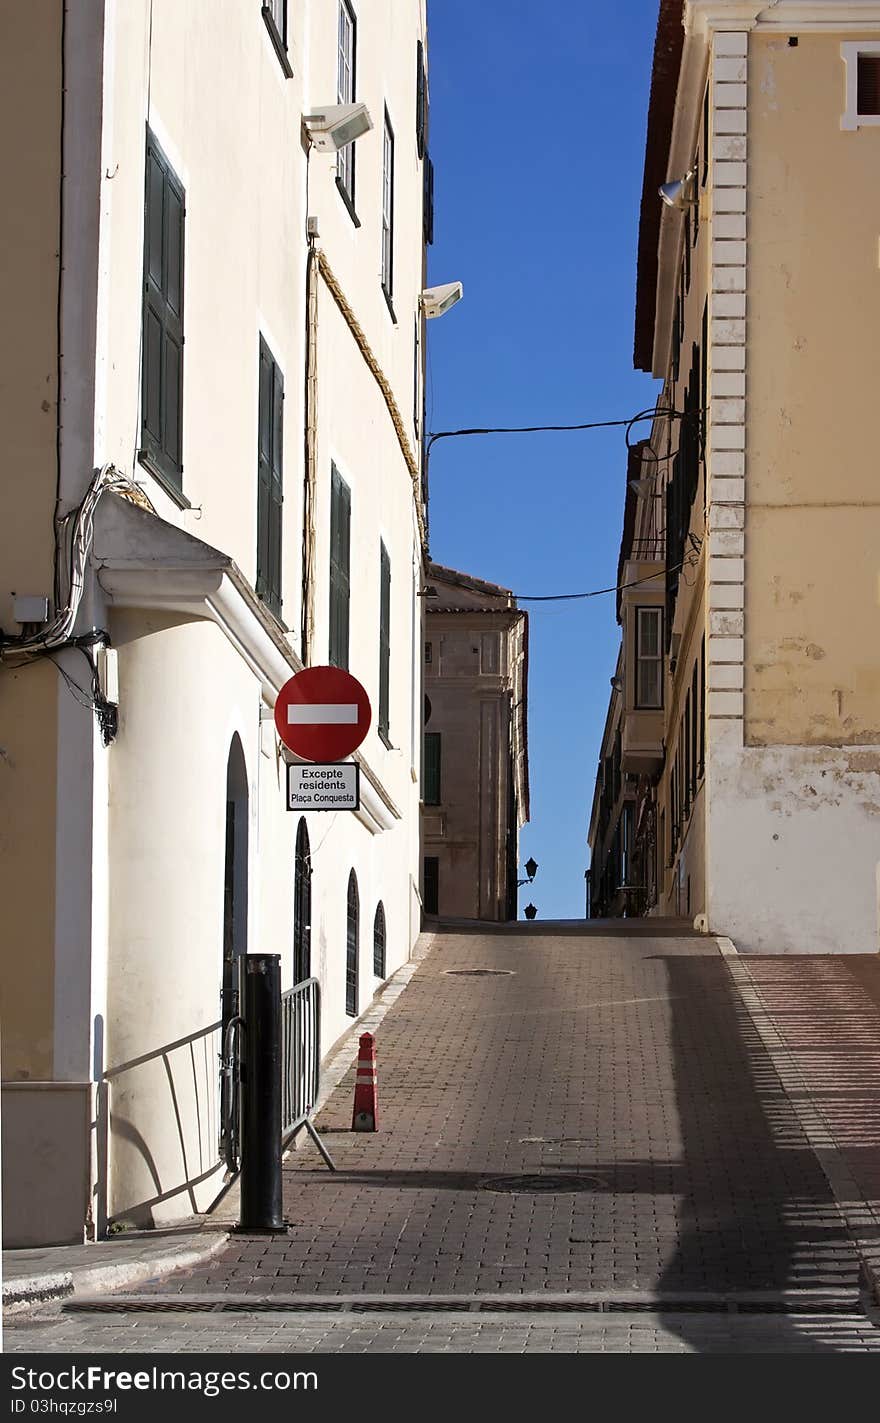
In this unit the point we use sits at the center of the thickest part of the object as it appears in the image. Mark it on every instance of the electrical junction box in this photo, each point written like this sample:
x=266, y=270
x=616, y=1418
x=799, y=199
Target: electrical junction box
x=107, y=665
x=30, y=608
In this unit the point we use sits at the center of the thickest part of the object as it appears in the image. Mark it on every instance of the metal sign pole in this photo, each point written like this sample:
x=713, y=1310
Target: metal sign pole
x=261, y=1203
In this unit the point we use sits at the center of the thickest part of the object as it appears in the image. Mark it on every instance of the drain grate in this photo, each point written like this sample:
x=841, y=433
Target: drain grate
x=479, y=972
x=470, y=1304
x=560, y=1185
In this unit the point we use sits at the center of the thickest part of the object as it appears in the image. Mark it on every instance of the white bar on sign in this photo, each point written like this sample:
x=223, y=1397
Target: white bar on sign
x=322, y=714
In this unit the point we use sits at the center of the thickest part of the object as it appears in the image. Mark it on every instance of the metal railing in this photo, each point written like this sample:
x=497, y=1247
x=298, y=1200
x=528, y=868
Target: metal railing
x=301, y=1061
x=648, y=550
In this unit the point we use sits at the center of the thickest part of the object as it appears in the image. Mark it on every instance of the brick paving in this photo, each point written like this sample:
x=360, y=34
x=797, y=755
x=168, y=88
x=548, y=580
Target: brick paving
x=626, y=1065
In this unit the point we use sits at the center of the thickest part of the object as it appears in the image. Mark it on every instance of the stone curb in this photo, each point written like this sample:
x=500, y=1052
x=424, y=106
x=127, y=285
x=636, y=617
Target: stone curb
x=28, y=1291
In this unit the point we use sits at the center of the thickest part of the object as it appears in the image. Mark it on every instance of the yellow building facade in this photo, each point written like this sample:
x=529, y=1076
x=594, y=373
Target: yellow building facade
x=758, y=306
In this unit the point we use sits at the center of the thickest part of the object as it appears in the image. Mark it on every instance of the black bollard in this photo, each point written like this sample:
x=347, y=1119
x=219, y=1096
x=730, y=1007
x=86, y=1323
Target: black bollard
x=261, y=1207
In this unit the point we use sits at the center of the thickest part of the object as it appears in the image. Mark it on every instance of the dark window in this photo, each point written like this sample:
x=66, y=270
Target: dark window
x=429, y=653
x=162, y=338
x=685, y=736
x=275, y=15
x=431, y=884
x=428, y=203
x=340, y=549
x=379, y=941
x=431, y=769
x=351, y=947
x=676, y=338
x=705, y=174
x=388, y=209
x=270, y=425
x=702, y=761
x=695, y=719
x=421, y=100
x=345, y=92
x=649, y=657
x=868, y=81
x=686, y=269
x=417, y=381
x=384, y=640
x=302, y=906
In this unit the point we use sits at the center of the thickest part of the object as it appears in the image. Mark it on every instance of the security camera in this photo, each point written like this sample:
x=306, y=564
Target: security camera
x=436, y=301
x=337, y=125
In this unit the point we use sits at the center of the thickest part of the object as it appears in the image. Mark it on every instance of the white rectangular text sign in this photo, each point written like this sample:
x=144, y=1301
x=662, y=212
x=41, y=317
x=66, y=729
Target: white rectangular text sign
x=323, y=787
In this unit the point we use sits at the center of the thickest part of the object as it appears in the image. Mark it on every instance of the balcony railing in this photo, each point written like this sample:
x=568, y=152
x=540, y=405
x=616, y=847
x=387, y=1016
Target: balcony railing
x=650, y=550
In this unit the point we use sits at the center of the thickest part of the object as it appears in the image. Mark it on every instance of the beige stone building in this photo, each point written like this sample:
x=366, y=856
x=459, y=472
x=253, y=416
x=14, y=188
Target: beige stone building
x=211, y=394
x=750, y=677
x=475, y=768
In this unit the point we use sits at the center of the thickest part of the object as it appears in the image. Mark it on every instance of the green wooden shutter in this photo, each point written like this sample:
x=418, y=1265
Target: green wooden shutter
x=421, y=100
x=270, y=496
x=340, y=556
x=428, y=203
x=384, y=640
x=162, y=339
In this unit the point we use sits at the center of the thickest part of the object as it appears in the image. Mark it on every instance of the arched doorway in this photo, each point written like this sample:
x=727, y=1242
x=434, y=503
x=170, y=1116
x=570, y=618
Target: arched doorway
x=302, y=905
x=379, y=941
x=235, y=898
x=351, y=947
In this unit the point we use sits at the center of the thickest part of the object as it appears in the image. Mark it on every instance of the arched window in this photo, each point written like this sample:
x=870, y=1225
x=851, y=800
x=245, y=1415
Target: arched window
x=351, y=943
x=379, y=941
x=302, y=905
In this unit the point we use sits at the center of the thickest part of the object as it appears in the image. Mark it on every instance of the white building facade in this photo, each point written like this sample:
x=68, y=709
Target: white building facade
x=240, y=337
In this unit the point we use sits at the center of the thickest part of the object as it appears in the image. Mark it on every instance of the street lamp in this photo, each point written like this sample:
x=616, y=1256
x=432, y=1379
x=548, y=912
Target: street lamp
x=530, y=911
x=531, y=869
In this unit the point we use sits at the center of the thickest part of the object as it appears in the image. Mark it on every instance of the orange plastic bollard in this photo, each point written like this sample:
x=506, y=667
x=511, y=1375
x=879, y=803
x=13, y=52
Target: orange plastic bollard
x=366, y=1114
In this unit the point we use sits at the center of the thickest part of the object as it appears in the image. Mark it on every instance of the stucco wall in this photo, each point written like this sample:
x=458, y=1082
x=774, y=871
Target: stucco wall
x=30, y=144
x=813, y=513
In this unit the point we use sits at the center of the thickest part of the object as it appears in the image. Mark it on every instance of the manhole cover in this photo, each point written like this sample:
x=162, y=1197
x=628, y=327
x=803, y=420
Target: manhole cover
x=530, y=1185
x=481, y=972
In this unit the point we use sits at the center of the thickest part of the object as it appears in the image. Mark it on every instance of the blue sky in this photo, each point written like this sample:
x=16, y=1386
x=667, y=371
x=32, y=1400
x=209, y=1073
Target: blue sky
x=537, y=135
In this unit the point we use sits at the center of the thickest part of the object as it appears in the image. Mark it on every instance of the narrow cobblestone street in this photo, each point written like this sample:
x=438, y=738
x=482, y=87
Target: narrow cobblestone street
x=585, y=1143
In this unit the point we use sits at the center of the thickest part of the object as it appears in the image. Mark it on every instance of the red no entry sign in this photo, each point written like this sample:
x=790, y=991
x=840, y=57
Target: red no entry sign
x=323, y=714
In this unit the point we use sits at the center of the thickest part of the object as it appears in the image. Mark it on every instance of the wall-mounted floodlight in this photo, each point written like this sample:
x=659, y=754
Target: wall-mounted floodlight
x=436, y=301
x=337, y=125
x=681, y=193
x=617, y=683
x=642, y=488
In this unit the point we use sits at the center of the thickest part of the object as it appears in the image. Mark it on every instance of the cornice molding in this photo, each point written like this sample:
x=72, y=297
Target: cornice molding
x=707, y=17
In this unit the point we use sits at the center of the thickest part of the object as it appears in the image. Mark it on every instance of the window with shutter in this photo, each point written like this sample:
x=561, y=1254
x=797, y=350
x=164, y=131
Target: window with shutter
x=351, y=947
x=649, y=658
x=340, y=554
x=695, y=719
x=428, y=203
x=421, y=100
x=384, y=641
x=388, y=211
x=702, y=760
x=275, y=16
x=345, y=94
x=431, y=769
x=162, y=335
x=685, y=737
x=270, y=499
x=379, y=955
